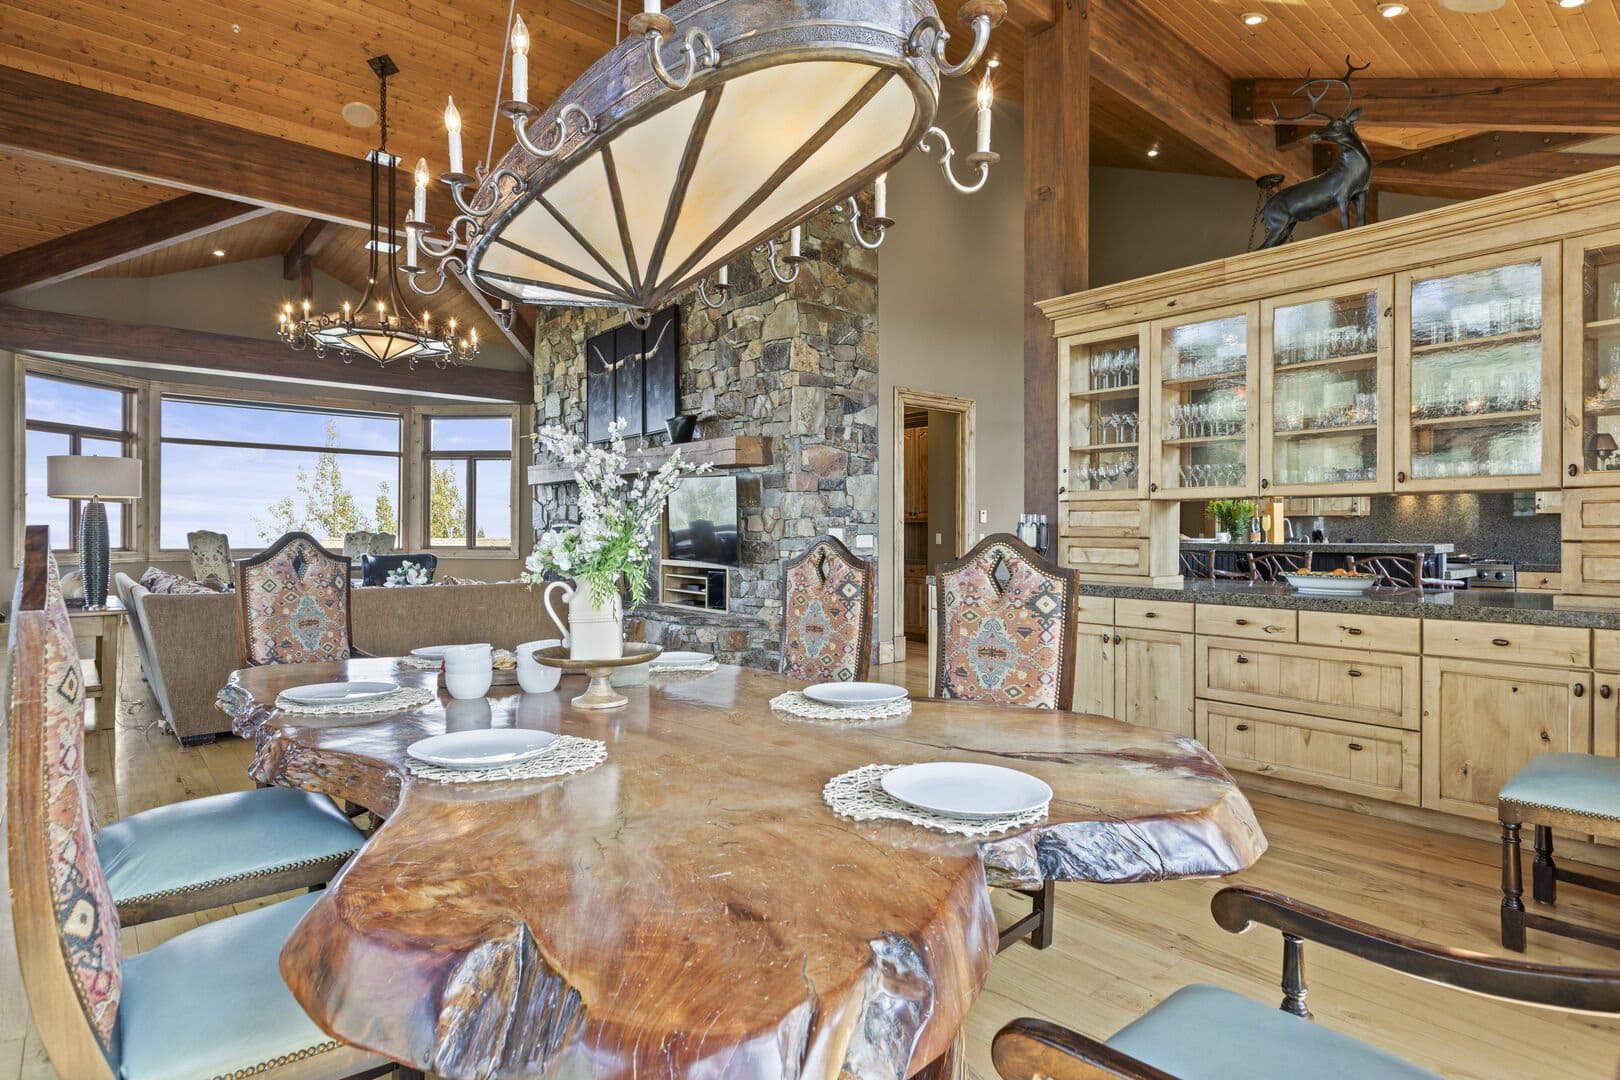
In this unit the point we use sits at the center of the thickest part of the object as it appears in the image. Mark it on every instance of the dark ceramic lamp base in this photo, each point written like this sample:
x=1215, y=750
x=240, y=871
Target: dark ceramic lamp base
x=93, y=553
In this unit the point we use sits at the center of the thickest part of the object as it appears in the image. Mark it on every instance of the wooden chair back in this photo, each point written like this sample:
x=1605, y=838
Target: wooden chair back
x=66, y=923
x=827, y=614
x=1391, y=572
x=210, y=555
x=294, y=605
x=1272, y=565
x=1006, y=626
x=1198, y=565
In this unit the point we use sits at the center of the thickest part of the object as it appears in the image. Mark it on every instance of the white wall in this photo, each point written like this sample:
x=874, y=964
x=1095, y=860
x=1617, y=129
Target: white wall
x=950, y=318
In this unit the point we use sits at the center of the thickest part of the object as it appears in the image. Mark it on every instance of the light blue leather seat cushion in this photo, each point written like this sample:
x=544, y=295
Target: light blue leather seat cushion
x=237, y=834
x=1206, y=1033
x=211, y=1002
x=1581, y=783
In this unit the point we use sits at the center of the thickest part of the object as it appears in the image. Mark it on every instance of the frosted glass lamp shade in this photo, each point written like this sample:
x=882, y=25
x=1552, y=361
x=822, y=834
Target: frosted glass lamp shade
x=77, y=476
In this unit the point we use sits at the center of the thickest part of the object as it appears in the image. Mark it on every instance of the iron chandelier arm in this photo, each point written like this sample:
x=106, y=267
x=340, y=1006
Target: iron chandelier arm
x=713, y=303
x=981, y=161
x=783, y=277
x=698, y=49
x=491, y=184
x=853, y=208
x=982, y=16
x=442, y=272
x=522, y=117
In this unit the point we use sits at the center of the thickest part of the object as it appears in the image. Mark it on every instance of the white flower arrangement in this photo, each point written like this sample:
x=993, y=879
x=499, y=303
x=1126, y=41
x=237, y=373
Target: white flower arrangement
x=619, y=514
x=408, y=573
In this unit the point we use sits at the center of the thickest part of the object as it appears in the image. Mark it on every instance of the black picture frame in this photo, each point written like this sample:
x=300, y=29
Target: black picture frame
x=634, y=374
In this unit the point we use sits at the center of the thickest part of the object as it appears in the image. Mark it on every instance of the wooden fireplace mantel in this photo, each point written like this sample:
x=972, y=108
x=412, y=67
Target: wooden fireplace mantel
x=728, y=452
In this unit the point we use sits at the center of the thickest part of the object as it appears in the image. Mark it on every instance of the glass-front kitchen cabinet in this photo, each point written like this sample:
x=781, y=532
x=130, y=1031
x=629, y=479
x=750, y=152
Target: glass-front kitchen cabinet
x=1202, y=423
x=1101, y=427
x=1478, y=398
x=1592, y=359
x=1326, y=390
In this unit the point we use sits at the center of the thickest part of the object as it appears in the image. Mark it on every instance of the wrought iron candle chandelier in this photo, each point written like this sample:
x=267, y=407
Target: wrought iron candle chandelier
x=706, y=133
x=382, y=326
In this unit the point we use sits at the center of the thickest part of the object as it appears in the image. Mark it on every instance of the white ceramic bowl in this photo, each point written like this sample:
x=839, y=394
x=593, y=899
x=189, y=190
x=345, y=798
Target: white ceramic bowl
x=1327, y=585
x=533, y=676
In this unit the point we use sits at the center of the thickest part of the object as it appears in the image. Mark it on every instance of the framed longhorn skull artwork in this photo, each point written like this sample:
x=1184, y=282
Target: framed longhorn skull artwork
x=634, y=374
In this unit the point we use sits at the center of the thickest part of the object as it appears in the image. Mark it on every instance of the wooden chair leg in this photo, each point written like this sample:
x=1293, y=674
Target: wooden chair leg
x=1512, y=889
x=1543, y=871
x=1046, y=904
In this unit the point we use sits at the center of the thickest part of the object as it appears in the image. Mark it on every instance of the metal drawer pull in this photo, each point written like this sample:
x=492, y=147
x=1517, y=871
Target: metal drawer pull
x=1353, y=631
x=1500, y=641
x=1355, y=746
x=1240, y=727
x=1150, y=614
x=1243, y=622
x=1355, y=673
x=1604, y=692
x=1243, y=659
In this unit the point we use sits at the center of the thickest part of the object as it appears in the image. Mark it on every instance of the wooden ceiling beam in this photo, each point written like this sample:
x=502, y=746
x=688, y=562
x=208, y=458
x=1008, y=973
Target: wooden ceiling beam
x=1486, y=148
x=53, y=333
x=105, y=133
x=1552, y=105
x=1135, y=56
x=1034, y=16
x=127, y=237
x=295, y=259
x=1474, y=180
x=521, y=333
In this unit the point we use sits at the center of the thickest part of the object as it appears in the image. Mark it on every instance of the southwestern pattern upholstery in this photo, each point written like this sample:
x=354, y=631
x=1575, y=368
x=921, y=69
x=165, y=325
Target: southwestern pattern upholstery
x=1006, y=626
x=47, y=689
x=294, y=600
x=210, y=555
x=827, y=614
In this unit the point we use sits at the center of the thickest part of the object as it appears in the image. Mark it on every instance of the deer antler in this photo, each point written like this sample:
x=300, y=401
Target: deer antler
x=1316, y=99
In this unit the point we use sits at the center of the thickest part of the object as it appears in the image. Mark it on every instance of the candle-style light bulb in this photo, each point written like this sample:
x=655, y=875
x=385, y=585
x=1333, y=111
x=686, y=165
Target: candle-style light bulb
x=723, y=278
x=345, y=311
x=880, y=196
x=795, y=241
x=653, y=7
x=452, y=124
x=520, y=61
x=306, y=309
x=987, y=97
x=419, y=199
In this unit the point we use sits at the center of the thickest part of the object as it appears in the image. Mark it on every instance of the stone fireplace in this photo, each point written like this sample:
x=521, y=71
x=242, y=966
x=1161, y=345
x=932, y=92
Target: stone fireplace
x=796, y=363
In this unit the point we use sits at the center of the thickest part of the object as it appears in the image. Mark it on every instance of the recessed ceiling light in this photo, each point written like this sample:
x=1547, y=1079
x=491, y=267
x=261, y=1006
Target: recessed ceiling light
x=219, y=253
x=995, y=62
x=1390, y=11
x=1253, y=18
x=1571, y=3
x=1153, y=151
x=359, y=114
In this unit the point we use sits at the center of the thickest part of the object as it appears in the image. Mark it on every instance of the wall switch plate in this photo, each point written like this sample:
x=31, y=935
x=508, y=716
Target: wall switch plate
x=984, y=517
x=939, y=538
x=865, y=541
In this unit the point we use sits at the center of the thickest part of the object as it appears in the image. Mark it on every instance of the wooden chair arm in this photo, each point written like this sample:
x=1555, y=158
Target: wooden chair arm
x=1029, y=1049
x=1595, y=990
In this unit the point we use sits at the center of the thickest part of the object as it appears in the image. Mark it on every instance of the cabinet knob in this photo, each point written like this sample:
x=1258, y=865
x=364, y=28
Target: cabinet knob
x=1061, y=490
x=1354, y=673
x=1242, y=622
x=1580, y=690
x=1116, y=639
x=1105, y=639
x=1400, y=478
x=1355, y=746
x=1604, y=692
x=1243, y=659
x=1353, y=631
x=1240, y=727
x=1153, y=487
x=1501, y=641
x=1264, y=483
x=1573, y=468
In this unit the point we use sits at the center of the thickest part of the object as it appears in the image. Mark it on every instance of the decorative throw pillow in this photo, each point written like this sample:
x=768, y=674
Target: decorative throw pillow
x=161, y=581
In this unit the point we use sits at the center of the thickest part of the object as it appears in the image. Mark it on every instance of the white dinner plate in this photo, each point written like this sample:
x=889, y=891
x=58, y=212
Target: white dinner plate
x=432, y=652
x=483, y=748
x=966, y=789
x=680, y=659
x=328, y=693
x=849, y=694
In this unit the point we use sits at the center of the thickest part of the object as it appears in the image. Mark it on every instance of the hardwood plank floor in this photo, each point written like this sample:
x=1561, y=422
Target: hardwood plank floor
x=1119, y=949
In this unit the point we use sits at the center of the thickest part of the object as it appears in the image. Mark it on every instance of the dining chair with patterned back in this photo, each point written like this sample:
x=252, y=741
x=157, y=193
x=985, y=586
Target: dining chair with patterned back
x=210, y=556
x=1006, y=626
x=1270, y=566
x=1205, y=1031
x=294, y=604
x=208, y=1002
x=827, y=614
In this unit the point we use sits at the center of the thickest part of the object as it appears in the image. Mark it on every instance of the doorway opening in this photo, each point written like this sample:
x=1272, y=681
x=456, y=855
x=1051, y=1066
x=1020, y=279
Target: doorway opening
x=933, y=496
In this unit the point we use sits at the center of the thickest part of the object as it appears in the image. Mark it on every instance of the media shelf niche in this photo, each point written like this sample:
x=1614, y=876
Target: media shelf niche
x=690, y=584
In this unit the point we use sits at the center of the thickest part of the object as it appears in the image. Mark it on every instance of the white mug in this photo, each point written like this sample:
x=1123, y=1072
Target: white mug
x=468, y=671
x=533, y=676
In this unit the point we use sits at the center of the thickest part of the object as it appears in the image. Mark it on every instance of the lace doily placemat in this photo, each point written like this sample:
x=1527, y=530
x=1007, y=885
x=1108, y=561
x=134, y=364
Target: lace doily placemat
x=794, y=703
x=420, y=663
x=858, y=794
x=569, y=754
x=655, y=668
x=401, y=700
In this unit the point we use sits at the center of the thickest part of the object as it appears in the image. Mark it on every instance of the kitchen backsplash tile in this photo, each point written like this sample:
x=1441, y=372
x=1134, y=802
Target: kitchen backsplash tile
x=1479, y=524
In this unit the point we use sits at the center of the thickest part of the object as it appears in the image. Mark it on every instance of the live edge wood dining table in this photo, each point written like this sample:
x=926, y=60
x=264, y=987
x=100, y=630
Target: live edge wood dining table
x=691, y=906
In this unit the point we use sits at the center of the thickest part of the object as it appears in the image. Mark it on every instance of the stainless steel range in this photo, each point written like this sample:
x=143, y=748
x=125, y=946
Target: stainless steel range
x=1493, y=574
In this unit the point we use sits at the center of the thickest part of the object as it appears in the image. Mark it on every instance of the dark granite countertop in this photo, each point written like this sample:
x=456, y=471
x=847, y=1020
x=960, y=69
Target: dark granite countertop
x=1468, y=605
x=1332, y=548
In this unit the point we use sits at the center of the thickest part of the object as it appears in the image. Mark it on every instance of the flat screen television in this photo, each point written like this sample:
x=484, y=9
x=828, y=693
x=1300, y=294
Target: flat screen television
x=700, y=522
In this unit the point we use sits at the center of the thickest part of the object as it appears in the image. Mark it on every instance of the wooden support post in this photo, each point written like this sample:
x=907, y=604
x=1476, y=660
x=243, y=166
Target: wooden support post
x=1057, y=197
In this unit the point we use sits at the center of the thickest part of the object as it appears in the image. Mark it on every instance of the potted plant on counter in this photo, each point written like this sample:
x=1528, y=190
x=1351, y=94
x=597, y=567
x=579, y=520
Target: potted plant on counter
x=1231, y=518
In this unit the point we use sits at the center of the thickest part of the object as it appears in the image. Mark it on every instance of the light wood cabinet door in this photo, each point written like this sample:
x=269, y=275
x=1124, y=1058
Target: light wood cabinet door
x=1381, y=763
x=1606, y=714
x=1482, y=722
x=1153, y=679
x=1094, y=669
x=1101, y=420
x=916, y=474
x=1203, y=434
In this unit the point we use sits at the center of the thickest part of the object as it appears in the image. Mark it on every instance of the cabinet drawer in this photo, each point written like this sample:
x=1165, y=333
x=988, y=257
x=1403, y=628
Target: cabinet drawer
x=1592, y=568
x=1101, y=555
x=1387, y=633
x=1380, y=763
x=1591, y=514
x=1549, y=646
x=1350, y=684
x=1154, y=615
x=1096, y=609
x=1539, y=581
x=1105, y=519
x=1262, y=624
x=1606, y=650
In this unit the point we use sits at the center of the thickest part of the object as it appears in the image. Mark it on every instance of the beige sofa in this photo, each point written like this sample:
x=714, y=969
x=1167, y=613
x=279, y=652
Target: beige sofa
x=187, y=644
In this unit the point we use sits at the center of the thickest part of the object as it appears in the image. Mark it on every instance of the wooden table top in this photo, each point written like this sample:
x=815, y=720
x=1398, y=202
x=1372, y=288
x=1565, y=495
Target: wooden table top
x=691, y=907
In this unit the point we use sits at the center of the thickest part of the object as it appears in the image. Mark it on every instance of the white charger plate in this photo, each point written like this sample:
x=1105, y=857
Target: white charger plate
x=330, y=693
x=1327, y=585
x=434, y=652
x=483, y=748
x=849, y=694
x=966, y=789
x=680, y=659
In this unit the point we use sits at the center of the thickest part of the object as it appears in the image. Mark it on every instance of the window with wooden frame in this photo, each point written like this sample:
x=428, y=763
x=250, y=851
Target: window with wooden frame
x=469, y=489
x=62, y=415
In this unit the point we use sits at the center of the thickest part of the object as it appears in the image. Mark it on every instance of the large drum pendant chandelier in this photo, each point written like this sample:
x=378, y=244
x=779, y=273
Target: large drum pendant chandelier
x=705, y=133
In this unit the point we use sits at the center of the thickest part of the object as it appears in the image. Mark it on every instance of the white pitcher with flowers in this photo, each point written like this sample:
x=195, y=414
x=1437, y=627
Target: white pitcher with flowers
x=619, y=513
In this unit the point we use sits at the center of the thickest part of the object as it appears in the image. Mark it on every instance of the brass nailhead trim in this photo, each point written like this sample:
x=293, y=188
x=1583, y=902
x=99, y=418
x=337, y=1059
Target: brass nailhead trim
x=276, y=1063
x=203, y=886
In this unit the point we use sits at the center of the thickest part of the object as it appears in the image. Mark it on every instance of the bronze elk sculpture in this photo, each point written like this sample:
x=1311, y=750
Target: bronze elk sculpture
x=1343, y=184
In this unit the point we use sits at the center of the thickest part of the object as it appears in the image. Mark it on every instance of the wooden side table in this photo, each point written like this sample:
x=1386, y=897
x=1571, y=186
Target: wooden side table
x=105, y=627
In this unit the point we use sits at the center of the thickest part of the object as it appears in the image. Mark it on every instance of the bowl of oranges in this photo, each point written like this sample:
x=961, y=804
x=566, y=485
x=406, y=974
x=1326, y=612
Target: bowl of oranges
x=1339, y=582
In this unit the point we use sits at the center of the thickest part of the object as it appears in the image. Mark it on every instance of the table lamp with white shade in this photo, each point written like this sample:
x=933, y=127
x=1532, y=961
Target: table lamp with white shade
x=78, y=476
